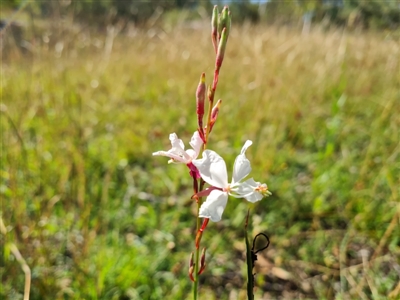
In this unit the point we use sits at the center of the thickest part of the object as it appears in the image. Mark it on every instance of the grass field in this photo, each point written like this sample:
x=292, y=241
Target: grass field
x=95, y=216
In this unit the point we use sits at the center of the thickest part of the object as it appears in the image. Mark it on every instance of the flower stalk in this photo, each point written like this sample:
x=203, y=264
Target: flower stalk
x=211, y=169
x=220, y=28
x=249, y=261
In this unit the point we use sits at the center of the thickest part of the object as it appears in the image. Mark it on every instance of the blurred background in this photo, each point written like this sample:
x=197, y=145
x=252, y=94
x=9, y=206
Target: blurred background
x=89, y=89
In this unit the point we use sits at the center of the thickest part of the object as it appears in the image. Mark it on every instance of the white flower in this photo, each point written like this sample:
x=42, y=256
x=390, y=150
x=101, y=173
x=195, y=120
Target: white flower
x=212, y=169
x=178, y=154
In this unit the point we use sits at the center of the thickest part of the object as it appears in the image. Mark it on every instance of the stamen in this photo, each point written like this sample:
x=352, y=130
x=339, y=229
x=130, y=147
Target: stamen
x=227, y=189
x=263, y=189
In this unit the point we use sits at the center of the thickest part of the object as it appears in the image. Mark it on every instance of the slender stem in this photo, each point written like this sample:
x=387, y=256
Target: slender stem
x=208, y=123
x=211, y=94
x=197, y=258
x=196, y=266
x=250, y=278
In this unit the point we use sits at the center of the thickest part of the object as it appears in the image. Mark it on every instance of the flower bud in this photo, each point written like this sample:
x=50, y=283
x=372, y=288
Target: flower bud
x=191, y=263
x=191, y=267
x=202, y=261
x=200, y=96
x=225, y=21
x=219, y=27
x=214, y=28
x=228, y=23
x=221, y=49
x=209, y=93
x=214, y=113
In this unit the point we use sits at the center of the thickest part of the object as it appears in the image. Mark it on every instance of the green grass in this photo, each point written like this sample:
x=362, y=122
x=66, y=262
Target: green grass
x=97, y=217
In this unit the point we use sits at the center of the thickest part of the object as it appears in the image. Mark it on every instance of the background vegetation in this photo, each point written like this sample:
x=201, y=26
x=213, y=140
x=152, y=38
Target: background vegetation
x=97, y=217
x=365, y=13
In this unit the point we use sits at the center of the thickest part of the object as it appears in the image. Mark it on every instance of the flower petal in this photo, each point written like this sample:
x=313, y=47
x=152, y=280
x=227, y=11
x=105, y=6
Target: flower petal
x=177, y=152
x=242, y=167
x=191, y=153
x=249, y=190
x=212, y=169
x=245, y=146
x=176, y=143
x=196, y=142
x=214, y=206
x=170, y=154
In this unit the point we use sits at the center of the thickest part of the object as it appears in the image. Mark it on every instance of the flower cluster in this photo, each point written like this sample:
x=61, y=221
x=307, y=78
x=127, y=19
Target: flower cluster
x=212, y=169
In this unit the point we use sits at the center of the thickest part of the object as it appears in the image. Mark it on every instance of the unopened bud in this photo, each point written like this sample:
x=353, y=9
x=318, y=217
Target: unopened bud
x=215, y=110
x=209, y=92
x=219, y=27
x=202, y=261
x=225, y=20
x=191, y=263
x=214, y=113
x=221, y=49
x=191, y=270
x=191, y=267
x=228, y=23
x=214, y=28
x=201, y=95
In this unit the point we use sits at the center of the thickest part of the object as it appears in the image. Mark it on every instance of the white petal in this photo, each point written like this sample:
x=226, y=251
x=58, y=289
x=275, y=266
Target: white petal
x=212, y=169
x=175, y=142
x=245, y=146
x=196, y=142
x=170, y=154
x=214, y=206
x=178, y=149
x=177, y=152
x=248, y=190
x=242, y=167
x=191, y=153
